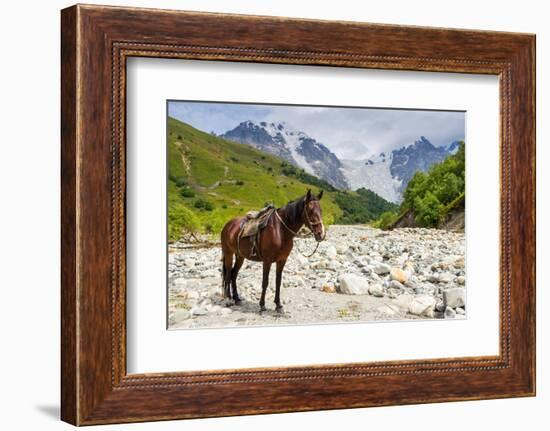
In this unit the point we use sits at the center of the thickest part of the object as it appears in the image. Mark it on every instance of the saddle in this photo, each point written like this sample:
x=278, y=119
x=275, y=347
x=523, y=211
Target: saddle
x=253, y=224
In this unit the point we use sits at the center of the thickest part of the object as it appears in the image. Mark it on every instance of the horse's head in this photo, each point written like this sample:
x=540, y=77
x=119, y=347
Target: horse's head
x=313, y=215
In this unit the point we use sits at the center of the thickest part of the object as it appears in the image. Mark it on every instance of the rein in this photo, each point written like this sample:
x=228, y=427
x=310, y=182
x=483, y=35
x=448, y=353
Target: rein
x=309, y=225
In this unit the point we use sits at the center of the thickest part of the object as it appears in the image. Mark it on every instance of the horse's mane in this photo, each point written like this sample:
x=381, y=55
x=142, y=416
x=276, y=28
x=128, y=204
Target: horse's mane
x=294, y=209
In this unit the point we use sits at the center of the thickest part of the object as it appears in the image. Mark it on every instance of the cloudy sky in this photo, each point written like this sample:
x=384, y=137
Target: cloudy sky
x=351, y=133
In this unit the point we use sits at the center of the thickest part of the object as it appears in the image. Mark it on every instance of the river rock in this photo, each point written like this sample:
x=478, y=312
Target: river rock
x=404, y=301
x=328, y=287
x=189, y=262
x=381, y=268
x=179, y=315
x=352, y=284
x=440, y=306
x=394, y=284
x=454, y=297
x=198, y=311
x=322, y=264
x=459, y=263
x=433, y=278
x=341, y=248
x=422, y=305
x=331, y=252
x=376, y=290
x=446, y=277
x=450, y=313
x=399, y=275
x=415, y=254
x=374, y=276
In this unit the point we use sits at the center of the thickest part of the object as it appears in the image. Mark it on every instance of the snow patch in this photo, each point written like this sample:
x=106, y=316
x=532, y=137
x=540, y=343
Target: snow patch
x=373, y=174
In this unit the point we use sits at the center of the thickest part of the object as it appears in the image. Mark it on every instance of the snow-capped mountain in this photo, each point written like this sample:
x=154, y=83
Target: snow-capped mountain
x=294, y=146
x=388, y=174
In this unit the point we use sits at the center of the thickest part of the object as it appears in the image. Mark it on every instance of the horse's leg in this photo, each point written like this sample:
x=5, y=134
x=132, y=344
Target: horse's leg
x=265, y=281
x=227, y=264
x=238, y=263
x=278, y=280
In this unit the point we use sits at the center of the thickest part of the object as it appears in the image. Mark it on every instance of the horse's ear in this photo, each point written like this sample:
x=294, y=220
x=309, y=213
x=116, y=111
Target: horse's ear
x=308, y=195
x=320, y=195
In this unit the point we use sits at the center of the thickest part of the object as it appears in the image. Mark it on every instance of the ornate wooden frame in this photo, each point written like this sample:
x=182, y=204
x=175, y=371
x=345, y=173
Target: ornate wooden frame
x=95, y=42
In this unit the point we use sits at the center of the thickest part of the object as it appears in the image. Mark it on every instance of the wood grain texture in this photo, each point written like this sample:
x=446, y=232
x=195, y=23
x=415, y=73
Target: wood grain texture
x=69, y=365
x=96, y=41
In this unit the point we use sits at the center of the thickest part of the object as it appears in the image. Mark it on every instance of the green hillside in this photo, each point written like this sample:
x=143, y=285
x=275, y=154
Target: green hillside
x=212, y=180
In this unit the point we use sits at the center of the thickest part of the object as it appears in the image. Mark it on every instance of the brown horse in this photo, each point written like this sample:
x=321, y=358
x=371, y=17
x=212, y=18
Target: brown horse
x=273, y=245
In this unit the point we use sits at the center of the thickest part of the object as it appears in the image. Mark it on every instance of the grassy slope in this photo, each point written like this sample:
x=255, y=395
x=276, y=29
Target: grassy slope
x=201, y=160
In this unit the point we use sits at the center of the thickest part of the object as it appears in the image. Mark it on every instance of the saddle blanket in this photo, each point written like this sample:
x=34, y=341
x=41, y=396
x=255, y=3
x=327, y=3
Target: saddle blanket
x=255, y=221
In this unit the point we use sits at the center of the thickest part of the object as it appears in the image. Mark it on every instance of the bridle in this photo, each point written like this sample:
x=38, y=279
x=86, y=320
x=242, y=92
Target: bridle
x=309, y=224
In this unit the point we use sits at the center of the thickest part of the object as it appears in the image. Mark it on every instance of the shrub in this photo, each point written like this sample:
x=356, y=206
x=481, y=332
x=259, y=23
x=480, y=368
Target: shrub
x=180, y=181
x=386, y=220
x=186, y=192
x=181, y=219
x=201, y=203
x=428, y=210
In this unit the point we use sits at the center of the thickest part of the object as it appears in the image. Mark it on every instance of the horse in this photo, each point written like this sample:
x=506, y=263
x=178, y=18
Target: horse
x=273, y=244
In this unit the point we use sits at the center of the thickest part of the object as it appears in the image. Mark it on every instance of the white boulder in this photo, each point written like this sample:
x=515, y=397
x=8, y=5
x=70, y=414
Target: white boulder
x=352, y=284
x=422, y=305
x=455, y=297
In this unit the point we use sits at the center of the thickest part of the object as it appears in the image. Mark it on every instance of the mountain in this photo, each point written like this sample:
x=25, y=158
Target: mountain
x=419, y=156
x=453, y=147
x=293, y=146
x=388, y=174
x=211, y=180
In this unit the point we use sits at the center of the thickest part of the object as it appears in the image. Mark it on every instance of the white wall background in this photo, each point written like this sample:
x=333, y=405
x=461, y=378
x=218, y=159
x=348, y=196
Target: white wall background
x=29, y=215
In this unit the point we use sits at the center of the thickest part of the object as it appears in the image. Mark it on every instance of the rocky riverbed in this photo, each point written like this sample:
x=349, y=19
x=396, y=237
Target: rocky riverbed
x=358, y=274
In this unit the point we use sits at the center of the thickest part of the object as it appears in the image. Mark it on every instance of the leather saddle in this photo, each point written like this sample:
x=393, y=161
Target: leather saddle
x=255, y=221
x=253, y=224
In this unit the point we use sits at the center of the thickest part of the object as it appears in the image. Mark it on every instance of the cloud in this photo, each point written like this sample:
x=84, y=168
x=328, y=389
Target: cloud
x=350, y=133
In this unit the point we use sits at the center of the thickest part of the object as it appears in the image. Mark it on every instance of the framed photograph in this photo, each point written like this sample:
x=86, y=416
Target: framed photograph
x=264, y=214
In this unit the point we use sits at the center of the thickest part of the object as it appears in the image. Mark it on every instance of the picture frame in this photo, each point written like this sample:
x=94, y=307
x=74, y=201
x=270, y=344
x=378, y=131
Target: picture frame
x=96, y=42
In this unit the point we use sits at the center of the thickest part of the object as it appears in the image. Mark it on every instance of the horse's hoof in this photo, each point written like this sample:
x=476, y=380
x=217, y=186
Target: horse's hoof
x=262, y=308
x=238, y=301
x=279, y=308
